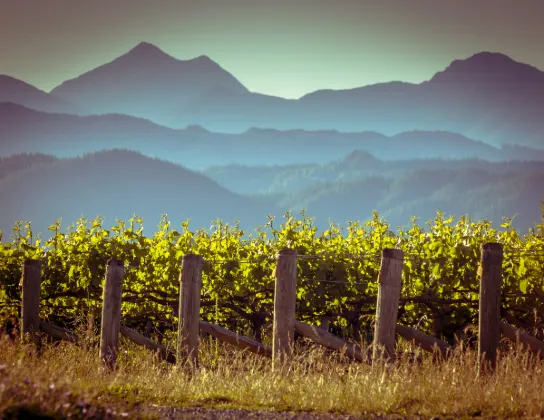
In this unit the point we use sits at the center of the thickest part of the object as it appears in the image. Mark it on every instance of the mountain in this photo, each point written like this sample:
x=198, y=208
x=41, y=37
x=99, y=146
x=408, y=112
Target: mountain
x=291, y=178
x=29, y=131
x=146, y=82
x=356, y=166
x=489, y=68
x=116, y=184
x=120, y=183
x=421, y=193
x=19, y=92
x=487, y=96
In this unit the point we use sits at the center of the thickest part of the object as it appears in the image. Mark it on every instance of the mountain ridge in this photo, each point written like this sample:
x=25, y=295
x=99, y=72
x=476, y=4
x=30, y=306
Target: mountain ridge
x=113, y=183
x=487, y=96
x=486, y=64
x=146, y=49
x=145, y=82
x=26, y=130
x=20, y=92
x=119, y=183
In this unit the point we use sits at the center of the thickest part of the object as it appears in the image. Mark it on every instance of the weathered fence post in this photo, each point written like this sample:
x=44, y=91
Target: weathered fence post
x=390, y=283
x=189, y=307
x=111, y=313
x=490, y=303
x=285, y=296
x=30, y=311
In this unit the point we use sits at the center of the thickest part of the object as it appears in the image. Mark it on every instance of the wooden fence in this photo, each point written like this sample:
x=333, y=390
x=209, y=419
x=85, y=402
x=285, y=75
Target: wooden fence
x=284, y=323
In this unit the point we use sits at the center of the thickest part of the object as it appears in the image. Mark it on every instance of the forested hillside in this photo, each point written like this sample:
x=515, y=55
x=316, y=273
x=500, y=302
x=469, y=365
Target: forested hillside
x=119, y=183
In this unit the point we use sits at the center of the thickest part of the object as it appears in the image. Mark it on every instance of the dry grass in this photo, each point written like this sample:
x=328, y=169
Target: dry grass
x=66, y=379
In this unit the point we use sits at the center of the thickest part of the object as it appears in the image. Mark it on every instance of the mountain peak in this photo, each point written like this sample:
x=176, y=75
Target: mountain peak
x=488, y=67
x=359, y=157
x=146, y=45
x=203, y=62
x=146, y=82
x=195, y=129
x=146, y=50
x=489, y=57
x=203, y=58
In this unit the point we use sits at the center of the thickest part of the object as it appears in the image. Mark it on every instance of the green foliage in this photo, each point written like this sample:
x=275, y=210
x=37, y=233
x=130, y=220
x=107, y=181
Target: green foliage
x=337, y=271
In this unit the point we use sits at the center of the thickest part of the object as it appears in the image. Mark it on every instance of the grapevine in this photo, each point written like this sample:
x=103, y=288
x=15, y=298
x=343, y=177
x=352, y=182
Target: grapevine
x=337, y=272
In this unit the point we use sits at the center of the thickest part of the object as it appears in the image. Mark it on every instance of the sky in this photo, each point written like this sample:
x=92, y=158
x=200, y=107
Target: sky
x=278, y=47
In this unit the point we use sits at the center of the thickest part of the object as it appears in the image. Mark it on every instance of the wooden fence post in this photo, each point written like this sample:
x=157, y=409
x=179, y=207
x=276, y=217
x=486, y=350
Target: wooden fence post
x=490, y=303
x=285, y=296
x=111, y=313
x=390, y=284
x=30, y=311
x=189, y=307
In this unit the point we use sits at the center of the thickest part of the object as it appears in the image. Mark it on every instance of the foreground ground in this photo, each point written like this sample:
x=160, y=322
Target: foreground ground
x=240, y=413
x=66, y=381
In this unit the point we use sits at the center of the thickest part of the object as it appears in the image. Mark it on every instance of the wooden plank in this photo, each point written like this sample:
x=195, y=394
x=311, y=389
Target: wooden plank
x=490, y=304
x=58, y=332
x=139, y=339
x=189, y=308
x=516, y=335
x=30, y=310
x=325, y=338
x=426, y=342
x=111, y=313
x=285, y=296
x=235, y=339
x=390, y=283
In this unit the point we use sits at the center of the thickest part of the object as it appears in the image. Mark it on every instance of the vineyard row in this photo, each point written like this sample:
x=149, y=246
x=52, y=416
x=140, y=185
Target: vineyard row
x=284, y=317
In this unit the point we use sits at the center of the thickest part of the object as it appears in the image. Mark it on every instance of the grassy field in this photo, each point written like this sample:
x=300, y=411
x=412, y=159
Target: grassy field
x=66, y=381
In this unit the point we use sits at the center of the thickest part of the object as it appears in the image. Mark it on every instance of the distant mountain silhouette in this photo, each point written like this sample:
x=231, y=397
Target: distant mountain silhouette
x=487, y=96
x=489, y=67
x=223, y=110
x=360, y=159
x=403, y=149
x=29, y=131
x=422, y=192
x=146, y=82
x=19, y=92
x=115, y=184
x=350, y=188
x=119, y=183
x=359, y=165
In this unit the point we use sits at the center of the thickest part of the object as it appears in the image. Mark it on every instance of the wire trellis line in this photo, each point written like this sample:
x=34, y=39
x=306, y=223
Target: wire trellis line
x=340, y=282
x=421, y=256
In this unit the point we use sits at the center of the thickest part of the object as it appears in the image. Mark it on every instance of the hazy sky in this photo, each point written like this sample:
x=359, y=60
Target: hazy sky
x=279, y=47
